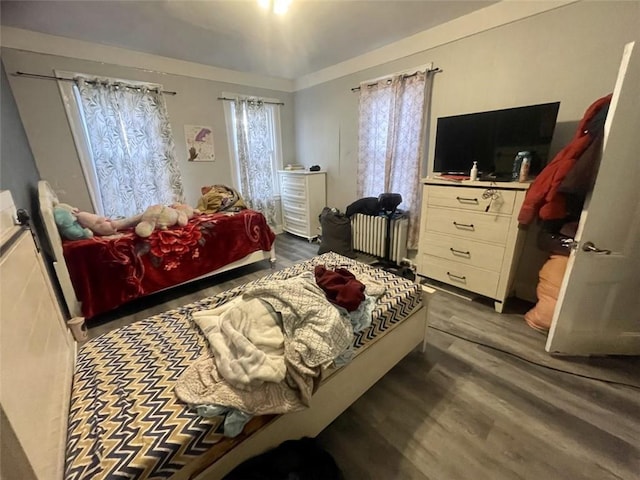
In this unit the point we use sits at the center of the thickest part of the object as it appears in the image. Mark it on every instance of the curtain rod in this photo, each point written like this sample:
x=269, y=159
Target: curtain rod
x=92, y=82
x=433, y=70
x=263, y=101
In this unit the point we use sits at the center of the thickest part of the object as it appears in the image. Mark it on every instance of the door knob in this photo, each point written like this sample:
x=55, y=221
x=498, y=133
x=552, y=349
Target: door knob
x=590, y=247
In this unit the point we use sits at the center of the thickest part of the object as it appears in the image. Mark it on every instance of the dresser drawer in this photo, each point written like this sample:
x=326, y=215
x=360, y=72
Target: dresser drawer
x=293, y=211
x=467, y=198
x=292, y=217
x=470, y=278
x=295, y=226
x=294, y=205
x=294, y=180
x=294, y=192
x=473, y=226
x=467, y=252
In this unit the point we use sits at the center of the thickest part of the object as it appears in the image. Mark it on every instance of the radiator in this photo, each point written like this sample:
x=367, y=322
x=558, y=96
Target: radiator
x=368, y=234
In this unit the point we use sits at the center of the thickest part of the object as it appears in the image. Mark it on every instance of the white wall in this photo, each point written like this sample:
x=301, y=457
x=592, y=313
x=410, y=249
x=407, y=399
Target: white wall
x=45, y=122
x=570, y=54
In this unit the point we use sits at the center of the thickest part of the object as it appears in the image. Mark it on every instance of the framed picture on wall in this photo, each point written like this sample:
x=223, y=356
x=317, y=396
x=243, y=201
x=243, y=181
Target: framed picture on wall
x=199, y=140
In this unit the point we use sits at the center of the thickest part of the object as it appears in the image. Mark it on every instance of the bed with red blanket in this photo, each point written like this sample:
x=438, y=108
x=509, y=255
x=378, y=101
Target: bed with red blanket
x=102, y=273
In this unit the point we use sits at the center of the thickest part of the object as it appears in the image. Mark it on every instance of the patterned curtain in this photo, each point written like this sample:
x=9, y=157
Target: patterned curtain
x=255, y=156
x=131, y=146
x=392, y=117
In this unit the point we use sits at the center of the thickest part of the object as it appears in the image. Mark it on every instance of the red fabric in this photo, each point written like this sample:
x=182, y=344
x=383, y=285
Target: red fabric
x=108, y=272
x=543, y=198
x=341, y=286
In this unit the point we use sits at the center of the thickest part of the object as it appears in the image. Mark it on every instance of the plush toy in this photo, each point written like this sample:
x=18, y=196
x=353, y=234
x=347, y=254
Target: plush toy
x=161, y=217
x=103, y=226
x=76, y=225
x=67, y=223
x=97, y=224
x=189, y=211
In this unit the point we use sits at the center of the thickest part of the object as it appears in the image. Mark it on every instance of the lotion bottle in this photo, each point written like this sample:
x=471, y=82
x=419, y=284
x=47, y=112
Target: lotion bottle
x=474, y=172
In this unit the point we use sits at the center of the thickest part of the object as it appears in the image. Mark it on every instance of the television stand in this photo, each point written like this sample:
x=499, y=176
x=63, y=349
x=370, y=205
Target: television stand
x=469, y=241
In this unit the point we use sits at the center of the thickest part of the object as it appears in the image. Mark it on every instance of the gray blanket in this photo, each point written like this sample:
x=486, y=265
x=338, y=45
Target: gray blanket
x=314, y=334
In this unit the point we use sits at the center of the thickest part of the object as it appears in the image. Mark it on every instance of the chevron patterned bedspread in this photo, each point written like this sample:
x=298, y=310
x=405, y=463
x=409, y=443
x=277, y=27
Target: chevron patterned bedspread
x=124, y=419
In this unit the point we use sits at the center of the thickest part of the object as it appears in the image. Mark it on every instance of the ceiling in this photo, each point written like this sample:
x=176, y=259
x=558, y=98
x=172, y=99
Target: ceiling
x=237, y=34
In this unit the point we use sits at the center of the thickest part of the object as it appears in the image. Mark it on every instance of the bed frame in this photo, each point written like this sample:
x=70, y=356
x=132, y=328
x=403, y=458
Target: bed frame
x=39, y=354
x=334, y=396
x=48, y=199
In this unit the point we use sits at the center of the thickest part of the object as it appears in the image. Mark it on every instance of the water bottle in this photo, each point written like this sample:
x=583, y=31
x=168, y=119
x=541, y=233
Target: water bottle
x=517, y=164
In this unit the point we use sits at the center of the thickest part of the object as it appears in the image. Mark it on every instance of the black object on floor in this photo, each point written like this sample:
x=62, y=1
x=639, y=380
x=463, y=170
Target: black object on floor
x=404, y=272
x=336, y=233
x=300, y=459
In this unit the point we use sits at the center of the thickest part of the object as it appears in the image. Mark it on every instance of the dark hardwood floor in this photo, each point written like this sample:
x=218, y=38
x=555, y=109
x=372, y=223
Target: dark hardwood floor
x=484, y=402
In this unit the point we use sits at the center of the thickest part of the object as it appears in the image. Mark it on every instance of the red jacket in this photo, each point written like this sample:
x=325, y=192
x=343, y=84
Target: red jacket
x=543, y=198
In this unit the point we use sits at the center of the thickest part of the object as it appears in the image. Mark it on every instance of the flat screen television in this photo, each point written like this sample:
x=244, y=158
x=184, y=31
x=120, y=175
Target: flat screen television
x=493, y=139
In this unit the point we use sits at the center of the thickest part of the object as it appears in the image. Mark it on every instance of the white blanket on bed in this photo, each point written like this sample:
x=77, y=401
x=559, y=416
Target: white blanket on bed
x=246, y=340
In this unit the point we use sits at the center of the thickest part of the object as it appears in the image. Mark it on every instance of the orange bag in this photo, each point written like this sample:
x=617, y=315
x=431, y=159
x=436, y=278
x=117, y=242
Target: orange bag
x=551, y=275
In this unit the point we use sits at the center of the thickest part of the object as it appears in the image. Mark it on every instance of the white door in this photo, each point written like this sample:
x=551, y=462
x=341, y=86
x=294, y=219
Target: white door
x=598, y=310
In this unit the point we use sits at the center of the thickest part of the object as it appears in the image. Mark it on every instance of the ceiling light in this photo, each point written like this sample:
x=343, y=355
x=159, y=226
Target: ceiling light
x=279, y=7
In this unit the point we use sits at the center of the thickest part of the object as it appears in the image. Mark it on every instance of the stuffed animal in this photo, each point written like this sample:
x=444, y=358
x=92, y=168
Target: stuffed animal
x=74, y=224
x=97, y=224
x=189, y=211
x=67, y=223
x=161, y=217
x=103, y=226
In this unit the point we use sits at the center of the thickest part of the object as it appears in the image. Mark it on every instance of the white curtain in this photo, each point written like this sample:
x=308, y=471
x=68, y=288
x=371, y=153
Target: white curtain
x=132, y=148
x=391, y=141
x=255, y=156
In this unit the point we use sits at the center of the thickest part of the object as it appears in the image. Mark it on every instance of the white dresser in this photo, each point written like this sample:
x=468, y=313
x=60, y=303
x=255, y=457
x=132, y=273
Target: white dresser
x=304, y=195
x=469, y=235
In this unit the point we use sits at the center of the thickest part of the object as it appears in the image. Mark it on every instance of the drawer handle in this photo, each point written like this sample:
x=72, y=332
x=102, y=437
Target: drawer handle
x=459, y=252
x=464, y=225
x=468, y=200
x=457, y=277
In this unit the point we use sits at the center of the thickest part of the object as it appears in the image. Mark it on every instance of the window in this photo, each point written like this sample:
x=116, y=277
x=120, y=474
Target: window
x=125, y=144
x=253, y=127
x=390, y=143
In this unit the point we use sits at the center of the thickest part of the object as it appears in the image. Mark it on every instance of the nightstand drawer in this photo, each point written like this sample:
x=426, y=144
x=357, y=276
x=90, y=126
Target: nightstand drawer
x=485, y=227
x=467, y=252
x=475, y=279
x=466, y=198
